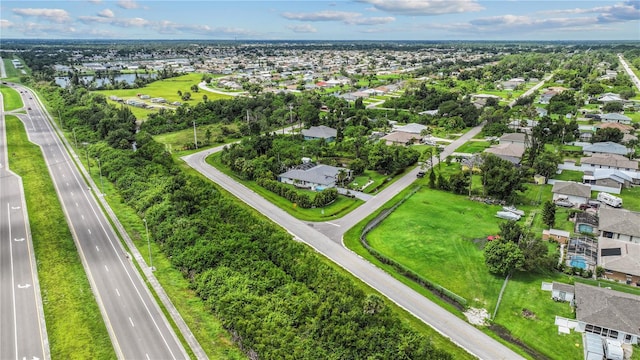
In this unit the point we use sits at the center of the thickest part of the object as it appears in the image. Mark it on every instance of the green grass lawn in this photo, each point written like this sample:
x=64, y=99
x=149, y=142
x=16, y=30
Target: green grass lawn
x=376, y=178
x=11, y=98
x=74, y=324
x=342, y=206
x=178, y=139
x=631, y=198
x=427, y=250
x=445, y=246
x=166, y=88
x=569, y=175
x=13, y=74
x=473, y=147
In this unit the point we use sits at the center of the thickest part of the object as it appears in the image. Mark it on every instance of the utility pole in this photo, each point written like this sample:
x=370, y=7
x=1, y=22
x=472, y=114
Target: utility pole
x=101, y=183
x=290, y=119
x=146, y=229
x=61, y=121
x=75, y=139
x=195, y=135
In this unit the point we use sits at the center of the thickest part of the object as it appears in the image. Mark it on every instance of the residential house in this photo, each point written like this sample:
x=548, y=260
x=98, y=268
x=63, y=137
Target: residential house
x=607, y=147
x=411, y=128
x=586, y=223
x=400, y=138
x=571, y=191
x=615, y=125
x=560, y=236
x=562, y=292
x=609, y=97
x=312, y=176
x=542, y=112
x=546, y=97
x=523, y=126
x=509, y=152
x=609, y=180
x=619, y=244
x=320, y=132
x=615, y=118
x=513, y=138
x=609, y=161
x=608, y=313
x=513, y=83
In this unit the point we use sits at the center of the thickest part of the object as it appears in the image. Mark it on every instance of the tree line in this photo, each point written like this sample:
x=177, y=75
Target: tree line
x=276, y=297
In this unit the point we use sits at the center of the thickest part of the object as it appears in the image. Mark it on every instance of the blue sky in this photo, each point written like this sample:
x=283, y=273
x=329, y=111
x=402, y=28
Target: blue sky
x=322, y=20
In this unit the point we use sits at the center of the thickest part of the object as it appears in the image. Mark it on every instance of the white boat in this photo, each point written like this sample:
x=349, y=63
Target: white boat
x=512, y=209
x=507, y=215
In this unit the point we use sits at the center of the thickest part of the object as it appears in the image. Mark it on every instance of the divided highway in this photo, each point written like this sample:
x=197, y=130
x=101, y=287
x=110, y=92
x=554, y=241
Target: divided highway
x=136, y=325
x=22, y=327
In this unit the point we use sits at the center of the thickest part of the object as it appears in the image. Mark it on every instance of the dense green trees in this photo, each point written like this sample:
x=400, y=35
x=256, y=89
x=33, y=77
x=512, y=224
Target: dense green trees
x=276, y=296
x=549, y=213
x=500, y=178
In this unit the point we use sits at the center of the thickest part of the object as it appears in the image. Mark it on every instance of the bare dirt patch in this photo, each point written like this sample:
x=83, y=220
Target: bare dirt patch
x=477, y=316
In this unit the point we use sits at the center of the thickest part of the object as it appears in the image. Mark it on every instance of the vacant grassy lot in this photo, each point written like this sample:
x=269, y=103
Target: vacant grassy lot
x=178, y=139
x=168, y=89
x=631, y=198
x=473, y=147
x=569, y=175
x=74, y=324
x=440, y=236
x=11, y=98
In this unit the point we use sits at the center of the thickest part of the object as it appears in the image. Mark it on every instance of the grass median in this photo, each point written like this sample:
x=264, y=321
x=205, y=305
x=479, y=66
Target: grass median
x=74, y=324
x=11, y=98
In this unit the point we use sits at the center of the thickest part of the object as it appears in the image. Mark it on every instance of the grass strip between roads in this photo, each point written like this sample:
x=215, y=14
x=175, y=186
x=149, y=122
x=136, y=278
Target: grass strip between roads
x=74, y=324
x=11, y=98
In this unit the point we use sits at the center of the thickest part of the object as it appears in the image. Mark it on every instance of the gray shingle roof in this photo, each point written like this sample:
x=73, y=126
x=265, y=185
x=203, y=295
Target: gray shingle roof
x=608, y=147
x=320, y=132
x=320, y=174
x=608, y=308
x=619, y=221
x=615, y=116
x=571, y=188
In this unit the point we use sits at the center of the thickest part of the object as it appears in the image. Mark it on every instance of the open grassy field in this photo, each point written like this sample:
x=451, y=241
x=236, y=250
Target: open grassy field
x=166, y=88
x=631, y=198
x=11, y=98
x=473, y=147
x=13, y=74
x=440, y=236
x=569, y=175
x=74, y=324
x=178, y=139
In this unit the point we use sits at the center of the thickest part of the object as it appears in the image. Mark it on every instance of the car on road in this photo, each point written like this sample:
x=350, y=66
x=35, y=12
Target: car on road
x=29, y=107
x=420, y=174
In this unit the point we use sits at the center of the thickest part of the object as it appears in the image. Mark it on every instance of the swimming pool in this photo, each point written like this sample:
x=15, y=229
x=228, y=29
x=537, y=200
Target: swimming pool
x=585, y=228
x=579, y=262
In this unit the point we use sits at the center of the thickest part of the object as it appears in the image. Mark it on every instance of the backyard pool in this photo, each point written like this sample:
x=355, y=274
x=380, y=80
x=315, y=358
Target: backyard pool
x=578, y=262
x=585, y=228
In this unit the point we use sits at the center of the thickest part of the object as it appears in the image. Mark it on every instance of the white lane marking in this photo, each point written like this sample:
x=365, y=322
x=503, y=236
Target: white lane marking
x=117, y=292
x=71, y=192
x=18, y=240
x=15, y=207
x=131, y=321
x=25, y=286
x=147, y=355
x=330, y=223
x=89, y=230
x=106, y=268
x=76, y=204
x=82, y=216
x=97, y=248
x=67, y=184
x=13, y=291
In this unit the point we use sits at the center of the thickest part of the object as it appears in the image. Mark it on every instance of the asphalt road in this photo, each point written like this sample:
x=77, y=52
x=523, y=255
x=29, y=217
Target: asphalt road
x=22, y=326
x=137, y=327
x=630, y=72
x=460, y=332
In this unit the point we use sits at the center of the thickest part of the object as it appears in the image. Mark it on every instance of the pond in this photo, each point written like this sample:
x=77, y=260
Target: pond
x=63, y=81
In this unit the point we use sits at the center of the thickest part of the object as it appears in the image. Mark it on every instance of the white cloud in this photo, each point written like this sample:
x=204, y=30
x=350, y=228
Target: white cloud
x=349, y=18
x=170, y=27
x=304, y=28
x=106, y=13
x=424, y=7
x=120, y=22
x=128, y=4
x=51, y=15
x=5, y=24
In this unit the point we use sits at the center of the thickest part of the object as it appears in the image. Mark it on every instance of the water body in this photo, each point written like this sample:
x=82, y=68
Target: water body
x=63, y=81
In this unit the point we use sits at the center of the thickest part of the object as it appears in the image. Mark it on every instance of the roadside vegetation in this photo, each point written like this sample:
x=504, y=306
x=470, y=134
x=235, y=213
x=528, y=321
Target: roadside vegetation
x=11, y=98
x=74, y=324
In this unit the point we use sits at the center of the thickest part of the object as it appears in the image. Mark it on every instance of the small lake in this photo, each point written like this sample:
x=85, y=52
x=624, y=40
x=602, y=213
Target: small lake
x=63, y=81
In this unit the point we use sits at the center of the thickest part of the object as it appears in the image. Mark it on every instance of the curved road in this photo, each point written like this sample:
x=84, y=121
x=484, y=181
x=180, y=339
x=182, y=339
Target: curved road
x=23, y=333
x=137, y=327
x=460, y=332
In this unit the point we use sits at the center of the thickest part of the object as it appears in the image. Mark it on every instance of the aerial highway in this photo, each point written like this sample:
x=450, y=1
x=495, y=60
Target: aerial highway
x=22, y=327
x=137, y=327
x=460, y=332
